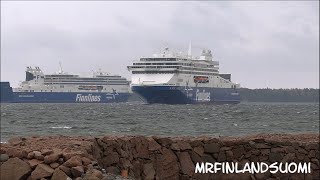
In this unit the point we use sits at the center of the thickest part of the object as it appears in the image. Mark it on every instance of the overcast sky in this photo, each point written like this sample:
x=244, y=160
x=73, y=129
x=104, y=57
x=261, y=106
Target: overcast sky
x=262, y=44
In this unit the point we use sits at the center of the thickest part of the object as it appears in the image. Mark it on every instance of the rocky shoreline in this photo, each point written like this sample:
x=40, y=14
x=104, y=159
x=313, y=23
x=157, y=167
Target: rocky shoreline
x=140, y=157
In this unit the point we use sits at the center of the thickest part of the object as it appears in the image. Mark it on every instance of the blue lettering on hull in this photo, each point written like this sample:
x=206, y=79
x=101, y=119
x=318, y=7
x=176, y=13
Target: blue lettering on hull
x=186, y=95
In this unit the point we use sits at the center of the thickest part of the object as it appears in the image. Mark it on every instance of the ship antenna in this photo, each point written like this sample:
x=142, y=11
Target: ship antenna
x=60, y=68
x=189, y=51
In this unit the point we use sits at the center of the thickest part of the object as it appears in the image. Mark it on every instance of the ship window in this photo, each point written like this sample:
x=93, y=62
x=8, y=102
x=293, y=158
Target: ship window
x=61, y=86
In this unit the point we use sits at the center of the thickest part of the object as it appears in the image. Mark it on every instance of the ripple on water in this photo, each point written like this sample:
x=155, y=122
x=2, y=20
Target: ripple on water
x=156, y=119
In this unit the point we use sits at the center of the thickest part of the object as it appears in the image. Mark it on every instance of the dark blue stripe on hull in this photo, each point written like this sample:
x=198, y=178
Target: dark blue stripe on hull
x=5, y=92
x=68, y=97
x=182, y=95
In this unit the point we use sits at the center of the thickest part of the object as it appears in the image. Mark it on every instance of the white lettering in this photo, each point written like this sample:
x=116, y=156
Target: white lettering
x=252, y=168
x=199, y=168
x=88, y=98
x=303, y=168
x=216, y=168
x=255, y=169
x=275, y=167
x=294, y=166
x=266, y=167
x=209, y=167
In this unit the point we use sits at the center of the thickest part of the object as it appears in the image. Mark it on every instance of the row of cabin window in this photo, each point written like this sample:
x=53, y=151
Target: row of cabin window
x=178, y=67
x=170, y=72
x=181, y=64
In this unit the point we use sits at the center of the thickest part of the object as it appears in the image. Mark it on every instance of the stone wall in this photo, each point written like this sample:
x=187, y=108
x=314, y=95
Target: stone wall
x=175, y=158
x=140, y=157
x=55, y=158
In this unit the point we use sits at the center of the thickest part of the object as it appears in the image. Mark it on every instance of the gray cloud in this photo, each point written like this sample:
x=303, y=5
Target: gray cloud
x=263, y=44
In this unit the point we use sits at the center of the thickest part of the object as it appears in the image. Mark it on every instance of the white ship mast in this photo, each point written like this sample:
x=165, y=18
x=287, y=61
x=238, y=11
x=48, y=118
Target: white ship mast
x=189, y=50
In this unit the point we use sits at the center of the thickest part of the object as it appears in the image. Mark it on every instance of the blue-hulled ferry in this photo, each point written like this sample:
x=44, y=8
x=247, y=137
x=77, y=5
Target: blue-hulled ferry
x=174, y=78
x=62, y=87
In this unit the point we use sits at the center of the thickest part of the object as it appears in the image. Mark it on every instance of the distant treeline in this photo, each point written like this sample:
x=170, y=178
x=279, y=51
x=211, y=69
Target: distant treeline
x=279, y=95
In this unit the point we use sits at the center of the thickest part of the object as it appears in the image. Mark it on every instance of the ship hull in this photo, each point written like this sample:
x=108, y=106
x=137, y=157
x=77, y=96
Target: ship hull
x=68, y=97
x=183, y=95
x=6, y=92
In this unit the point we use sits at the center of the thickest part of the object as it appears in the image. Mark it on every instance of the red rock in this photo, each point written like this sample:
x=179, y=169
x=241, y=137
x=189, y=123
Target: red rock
x=142, y=151
x=212, y=148
x=73, y=162
x=113, y=170
x=86, y=161
x=265, y=152
x=229, y=155
x=125, y=163
x=180, y=145
x=54, y=165
x=51, y=158
x=58, y=174
x=14, y=169
x=163, y=141
x=153, y=145
x=199, y=150
x=225, y=148
x=65, y=170
x=184, y=177
x=187, y=166
x=259, y=140
x=314, y=146
x=15, y=141
x=275, y=157
x=312, y=154
x=300, y=156
x=303, y=151
x=42, y=171
x=124, y=173
x=296, y=176
x=315, y=161
x=110, y=159
x=24, y=153
x=67, y=154
x=13, y=152
x=238, y=152
x=195, y=142
x=288, y=158
x=46, y=152
x=90, y=177
x=263, y=158
x=38, y=155
x=262, y=146
x=30, y=155
x=34, y=162
x=77, y=171
x=97, y=173
x=195, y=158
x=167, y=165
x=222, y=156
x=148, y=171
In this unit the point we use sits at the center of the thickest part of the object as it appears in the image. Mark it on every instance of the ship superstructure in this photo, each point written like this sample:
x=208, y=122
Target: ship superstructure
x=62, y=87
x=174, y=78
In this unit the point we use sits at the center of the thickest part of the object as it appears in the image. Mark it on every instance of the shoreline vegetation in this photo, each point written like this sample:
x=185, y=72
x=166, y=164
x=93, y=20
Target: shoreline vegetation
x=152, y=157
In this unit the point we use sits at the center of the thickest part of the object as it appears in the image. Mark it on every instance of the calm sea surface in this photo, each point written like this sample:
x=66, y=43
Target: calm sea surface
x=157, y=119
